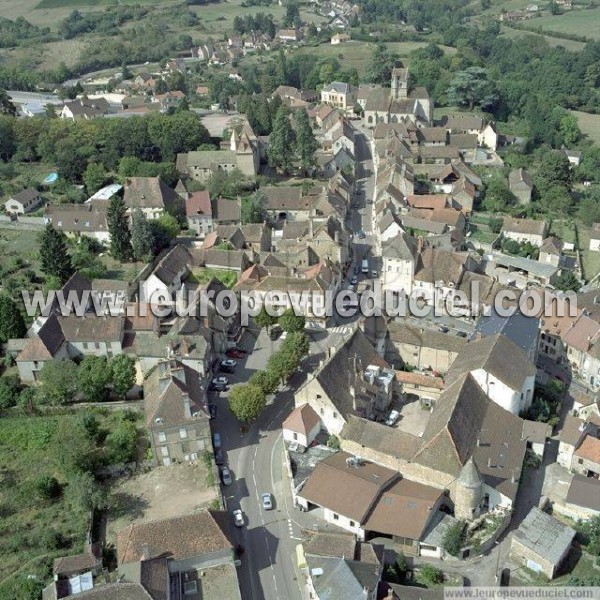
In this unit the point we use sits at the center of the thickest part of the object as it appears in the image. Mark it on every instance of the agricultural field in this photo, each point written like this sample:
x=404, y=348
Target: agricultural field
x=578, y=22
x=589, y=124
x=570, y=45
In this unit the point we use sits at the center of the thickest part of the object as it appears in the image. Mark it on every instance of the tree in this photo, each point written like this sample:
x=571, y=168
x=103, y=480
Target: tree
x=290, y=321
x=569, y=128
x=6, y=106
x=74, y=450
x=54, y=257
x=170, y=224
x=94, y=177
x=297, y=343
x=120, y=238
x=12, y=324
x=292, y=14
x=267, y=381
x=8, y=144
x=306, y=143
x=498, y=197
x=382, y=63
x=47, y=487
x=93, y=377
x=253, y=208
x=84, y=494
x=141, y=236
x=567, y=280
x=246, y=402
x=122, y=369
x=121, y=443
x=471, y=88
x=283, y=364
x=59, y=381
x=125, y=71
x=281, y=142
x=554, y=169
x=9, y=391
x=430, y=575
x=589, y=208
x=264, y=319
x=591, y=531
x=454, y=538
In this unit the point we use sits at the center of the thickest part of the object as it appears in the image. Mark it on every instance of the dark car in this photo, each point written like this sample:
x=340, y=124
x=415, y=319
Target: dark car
x=274, y=333
x=461, y=334
x=235, y=353
x=443, y=329
x=362, y=235
x=504, y=577
x=219, y=457
x=226, y=368
x=212, y=411
x=217, y=387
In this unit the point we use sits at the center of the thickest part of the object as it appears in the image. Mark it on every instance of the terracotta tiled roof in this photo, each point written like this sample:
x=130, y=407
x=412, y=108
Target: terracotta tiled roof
x=303, y=419
x=589, y=449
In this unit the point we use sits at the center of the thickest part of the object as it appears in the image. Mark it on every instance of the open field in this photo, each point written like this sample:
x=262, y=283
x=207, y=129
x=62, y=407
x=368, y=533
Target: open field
x=589, y=124
x=579, y=22
x=571, y=45
x=91, y=3
x=591, y=260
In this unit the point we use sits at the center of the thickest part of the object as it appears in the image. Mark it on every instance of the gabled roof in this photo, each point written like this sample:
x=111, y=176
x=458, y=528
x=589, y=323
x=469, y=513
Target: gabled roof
x=589, y=449
x=180, y=538
x=520, y=178
x=400, y=247
x=303, y=419
x=198, y=203
x=524, y=226
x=490, y=354
x=172, y=263
x=440, y=265
x=149, y=192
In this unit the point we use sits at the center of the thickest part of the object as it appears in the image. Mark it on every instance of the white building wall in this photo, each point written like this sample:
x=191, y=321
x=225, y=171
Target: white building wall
x=512, y=400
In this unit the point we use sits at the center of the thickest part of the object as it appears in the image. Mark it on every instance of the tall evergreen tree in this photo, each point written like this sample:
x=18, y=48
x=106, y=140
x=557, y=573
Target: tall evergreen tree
x=54, y=256
x=306, y=144
x=141, y=236
x=12, y=324
x=281, y=142
x=120, y=238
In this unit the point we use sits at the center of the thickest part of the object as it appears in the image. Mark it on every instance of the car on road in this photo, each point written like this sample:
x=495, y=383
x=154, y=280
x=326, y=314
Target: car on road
x=274, y=333
x=354, y=281
x=216, y=440
x=219, y=458
x=392, y=418
x=226, y=476
x=238, y=518
x=443, y=329
x=229, y=363
x=267, y=501
x=220, y=380
x=217, y=387
x=235, y=353
x=212, y=411
x=461, y=334
x=362, y=235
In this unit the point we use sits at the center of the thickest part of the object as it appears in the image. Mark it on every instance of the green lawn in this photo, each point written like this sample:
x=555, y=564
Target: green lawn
x=571, y=45
x=77, y=3
x=589, y=124
x=204, y=275
x=591, y=260
x=563, y=231
x=579, y=22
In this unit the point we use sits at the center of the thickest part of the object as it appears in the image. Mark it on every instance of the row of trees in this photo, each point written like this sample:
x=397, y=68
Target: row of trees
x=247, y=401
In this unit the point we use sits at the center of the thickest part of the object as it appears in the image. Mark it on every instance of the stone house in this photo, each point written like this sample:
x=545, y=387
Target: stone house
x=23, y=202
x=541, y=543
x=167, y=277
x=341, y=96
x=525, y=230
x=176, y=412
x=80, y=220
x=152, y=196
x=398, y=262
x=198, y=213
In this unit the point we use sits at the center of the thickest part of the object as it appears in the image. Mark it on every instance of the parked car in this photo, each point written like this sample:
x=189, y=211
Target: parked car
x=267, y=501
x=443, y=329
x=274, y=333
x=212, y=411
x=238, y=518
x=219, y=458
x=461, y=334
x=220, y=380
x=217, y=387
x=226, y=476
x=229, y=363
x=216, y=440
x=392, y=418
x=235, y=353
x=362, y=235
x=354, y=280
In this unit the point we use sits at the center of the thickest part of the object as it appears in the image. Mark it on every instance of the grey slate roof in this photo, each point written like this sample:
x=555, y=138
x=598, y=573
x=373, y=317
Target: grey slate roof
x=340, y=580
x=497, y=355
x=584, y=492
x=519, y=329
x=544, y=535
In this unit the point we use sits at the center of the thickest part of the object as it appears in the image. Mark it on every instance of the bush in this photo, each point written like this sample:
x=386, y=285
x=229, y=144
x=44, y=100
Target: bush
x=9, y=391
x=47, y=487
x=430, y=575
x=52, y=540
x=333, y=442
x=121, y=444
x=454, y=538
x=495, y=224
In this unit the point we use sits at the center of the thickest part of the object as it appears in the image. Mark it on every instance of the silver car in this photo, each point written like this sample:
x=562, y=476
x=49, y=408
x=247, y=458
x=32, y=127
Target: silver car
x=226, y=476
x=267, y=501
x=238, y=518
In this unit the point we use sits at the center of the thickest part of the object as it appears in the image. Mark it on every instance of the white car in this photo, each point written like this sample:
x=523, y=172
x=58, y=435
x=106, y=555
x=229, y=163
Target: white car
x=220, y=380
x=229, y=363
x=267, y=501
x=284, y=335
x=226, y=476
x=238, y=518
x=392, y=418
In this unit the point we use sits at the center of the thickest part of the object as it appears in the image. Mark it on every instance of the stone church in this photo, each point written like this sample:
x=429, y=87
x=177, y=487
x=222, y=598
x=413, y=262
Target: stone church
x=398, y=103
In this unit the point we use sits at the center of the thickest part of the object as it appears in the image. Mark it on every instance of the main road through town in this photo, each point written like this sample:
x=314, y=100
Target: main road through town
x=269, y=538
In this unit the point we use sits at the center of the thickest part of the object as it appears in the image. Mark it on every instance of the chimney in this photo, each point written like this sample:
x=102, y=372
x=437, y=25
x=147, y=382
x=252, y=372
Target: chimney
x=146, y=554
x=187, y=406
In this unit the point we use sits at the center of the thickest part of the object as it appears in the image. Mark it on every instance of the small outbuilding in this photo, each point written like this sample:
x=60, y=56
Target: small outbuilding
x=302, y=426
x=541, y=543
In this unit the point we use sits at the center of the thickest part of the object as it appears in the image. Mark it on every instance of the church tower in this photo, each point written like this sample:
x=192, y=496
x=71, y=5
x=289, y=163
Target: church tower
x=399, y=83
x=468, y=492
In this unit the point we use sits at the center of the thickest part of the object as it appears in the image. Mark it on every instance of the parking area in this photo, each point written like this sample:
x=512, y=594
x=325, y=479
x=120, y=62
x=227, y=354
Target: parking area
x=160, y=493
